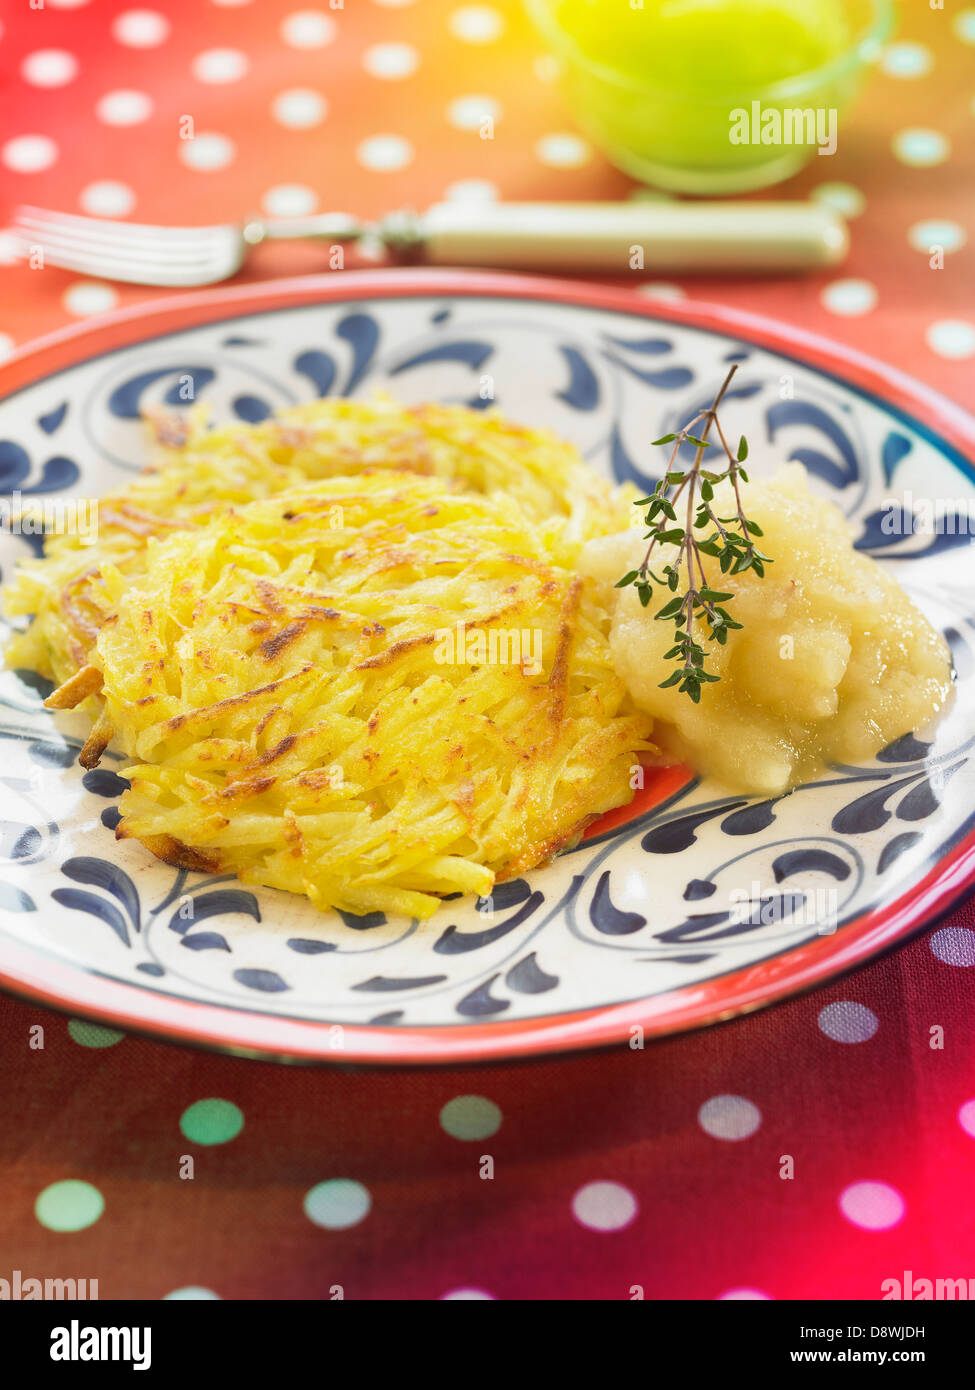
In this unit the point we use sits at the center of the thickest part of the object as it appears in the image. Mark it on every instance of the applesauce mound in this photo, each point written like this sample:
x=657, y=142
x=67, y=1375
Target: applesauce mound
x=833, y=661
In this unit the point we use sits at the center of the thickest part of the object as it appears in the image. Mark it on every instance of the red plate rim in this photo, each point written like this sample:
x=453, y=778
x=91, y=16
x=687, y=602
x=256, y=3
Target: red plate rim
x=75, y=990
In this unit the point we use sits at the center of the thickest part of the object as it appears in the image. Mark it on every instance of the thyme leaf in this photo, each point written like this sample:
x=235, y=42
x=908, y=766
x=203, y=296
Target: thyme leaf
x=727, y=539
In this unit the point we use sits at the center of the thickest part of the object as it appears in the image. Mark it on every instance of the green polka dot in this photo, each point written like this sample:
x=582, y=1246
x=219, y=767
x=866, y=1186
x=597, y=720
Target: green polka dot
x=211, y=1121
x=93, y=1034
x=191, y=1292
x=470, y=1117
x=69, y=1206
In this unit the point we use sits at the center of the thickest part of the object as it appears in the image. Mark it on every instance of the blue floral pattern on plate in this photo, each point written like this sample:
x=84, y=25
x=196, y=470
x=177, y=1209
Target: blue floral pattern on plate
x=704, y=884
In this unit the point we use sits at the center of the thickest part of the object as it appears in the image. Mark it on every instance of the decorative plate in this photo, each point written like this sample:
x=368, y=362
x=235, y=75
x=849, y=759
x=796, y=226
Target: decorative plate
x=686, y=907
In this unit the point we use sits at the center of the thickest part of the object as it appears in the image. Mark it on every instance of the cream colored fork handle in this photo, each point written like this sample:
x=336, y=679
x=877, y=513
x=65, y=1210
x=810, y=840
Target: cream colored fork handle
x=625, y=237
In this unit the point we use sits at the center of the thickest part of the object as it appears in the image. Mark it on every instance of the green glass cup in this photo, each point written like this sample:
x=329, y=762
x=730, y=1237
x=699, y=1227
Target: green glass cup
x=713, y=96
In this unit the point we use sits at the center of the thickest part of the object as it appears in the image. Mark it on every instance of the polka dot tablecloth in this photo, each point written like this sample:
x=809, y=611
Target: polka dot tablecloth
x=815, y=1150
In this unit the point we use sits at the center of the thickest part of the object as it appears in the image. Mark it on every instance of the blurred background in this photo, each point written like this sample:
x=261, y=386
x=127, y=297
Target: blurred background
x=383, y=104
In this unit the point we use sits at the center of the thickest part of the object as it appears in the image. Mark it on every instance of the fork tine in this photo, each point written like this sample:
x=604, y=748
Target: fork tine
x=132, y=252
x=52, y=239
x=140, y=274
x=100, y=229
x=137, y=271
x=133, y=269
x=102, y=238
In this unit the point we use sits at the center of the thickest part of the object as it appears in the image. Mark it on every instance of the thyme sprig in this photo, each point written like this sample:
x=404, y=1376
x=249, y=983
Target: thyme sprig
x=728, y=539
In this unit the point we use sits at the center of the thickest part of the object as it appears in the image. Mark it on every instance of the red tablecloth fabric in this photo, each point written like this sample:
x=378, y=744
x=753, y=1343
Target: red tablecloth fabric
x=686, y=1213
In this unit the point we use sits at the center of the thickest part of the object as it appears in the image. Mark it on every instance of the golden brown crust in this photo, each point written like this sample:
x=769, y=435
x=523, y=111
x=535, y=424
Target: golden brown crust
x=221, y=706
x=558, y=680
x=96, y=742
x=394, y=651
x=87, y=681
x=272, y=647
x=173, y=852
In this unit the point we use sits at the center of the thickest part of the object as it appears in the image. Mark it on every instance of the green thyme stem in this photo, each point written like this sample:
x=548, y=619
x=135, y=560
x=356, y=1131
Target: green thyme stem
x=734, y=470
x=691, y=477
x=734, y=552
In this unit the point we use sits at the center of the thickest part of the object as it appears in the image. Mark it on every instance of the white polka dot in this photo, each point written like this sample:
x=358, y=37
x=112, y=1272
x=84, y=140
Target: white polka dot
x=466, y=1295
x=229, y=4
x=841, y=197
x=476, y=24
x=218, y=65
x=7, y=346
x=391, y=60
x=124, y=107
x=206, y=151
x=299, y=108
x=662, y=289
x=925, y=236
x=88, y=297
x=308, y=29
x=604, y=1206
x=106, y=198
x=193, y=1291
x=49, y=67
x=546, y=68
x=337, y=1204
x=846, y=1021
x=849, y=297
x=384, y=152
x=563, y=151
x=906, y=60
x=471, y=191
x=469, y=113
x=966, y=1117
x=875, y=1206
x=289, y=200
x=954, y=945
x=67, y=4
x=29, y=154
x=470, y=1117
x=729, y=1117
x=743, y=1295
x=964, y=25
x=140, y=28
x=9, y=249
x=920, y=147
x=393, y=4
x=956, y=339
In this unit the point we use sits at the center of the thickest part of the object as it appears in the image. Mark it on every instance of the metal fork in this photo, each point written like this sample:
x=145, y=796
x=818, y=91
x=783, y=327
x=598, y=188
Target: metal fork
x=729, y=236
x=173, y=256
